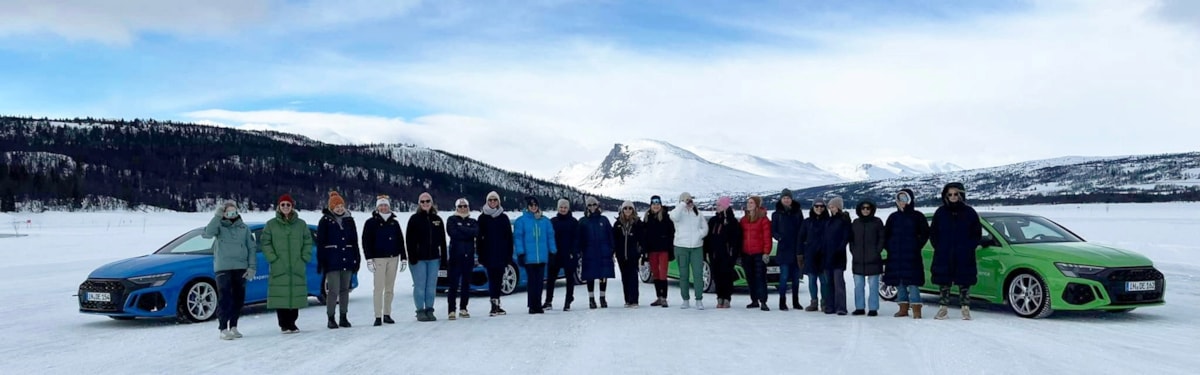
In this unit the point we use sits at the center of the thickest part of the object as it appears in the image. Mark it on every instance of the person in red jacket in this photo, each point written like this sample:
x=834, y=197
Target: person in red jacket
x=756, y=250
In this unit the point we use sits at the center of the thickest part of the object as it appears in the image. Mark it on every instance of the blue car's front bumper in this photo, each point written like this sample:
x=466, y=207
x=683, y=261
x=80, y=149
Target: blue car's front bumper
x=122, y=298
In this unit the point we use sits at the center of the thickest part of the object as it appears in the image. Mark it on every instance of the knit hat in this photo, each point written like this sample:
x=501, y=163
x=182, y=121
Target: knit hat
x=837, y=202
x=531, y=201
x=286, y=198
x=591, y=201
x=684, y=197
x=627, y=204
x=819, y=202
x=335, y=199
x=383, y=200
x=563, y=202
x=494, y=195
x=786, y=193
x=724, y=202
x=655, y=199
x=462, y=202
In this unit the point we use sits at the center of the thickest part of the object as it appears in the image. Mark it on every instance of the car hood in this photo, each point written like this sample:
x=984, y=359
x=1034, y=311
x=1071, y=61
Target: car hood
x=1084, y=253
x=146, y=265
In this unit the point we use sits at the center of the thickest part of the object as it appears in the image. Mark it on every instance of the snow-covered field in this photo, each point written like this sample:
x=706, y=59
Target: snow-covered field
x=44, y=333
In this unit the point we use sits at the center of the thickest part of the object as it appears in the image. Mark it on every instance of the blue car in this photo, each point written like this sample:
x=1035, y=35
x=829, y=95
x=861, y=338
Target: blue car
x=176, y=281
x=514, y=278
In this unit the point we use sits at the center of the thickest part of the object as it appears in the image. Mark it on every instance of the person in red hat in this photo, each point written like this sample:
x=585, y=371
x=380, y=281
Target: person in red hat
x=287, y=243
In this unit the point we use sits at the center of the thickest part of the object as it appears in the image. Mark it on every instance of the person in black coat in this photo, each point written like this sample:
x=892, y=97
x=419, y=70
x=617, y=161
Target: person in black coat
x=866, y=246
x=567, y=258
x=426, y=250
x=905, y=235
x=723, y=247
x=627, y=245
x=954, y=233
x=659, y=245
x=811, y=238
x=495, y=247
x=460, y=262
x=837, y=238
x=383, y=246
x=785, y=228
x=337, y=257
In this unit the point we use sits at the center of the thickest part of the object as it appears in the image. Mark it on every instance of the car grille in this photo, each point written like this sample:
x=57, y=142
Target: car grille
x=113, y=287
x=1114, y=280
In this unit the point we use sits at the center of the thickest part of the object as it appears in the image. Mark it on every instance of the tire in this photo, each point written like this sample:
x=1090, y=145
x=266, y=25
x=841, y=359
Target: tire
x=709, y=286
x=121, y=317
x=197, y=302
x=579, y=272
x=1028, y=296
x=644, y=272
x=888, y=292
x=322, y=297
x=508, y=282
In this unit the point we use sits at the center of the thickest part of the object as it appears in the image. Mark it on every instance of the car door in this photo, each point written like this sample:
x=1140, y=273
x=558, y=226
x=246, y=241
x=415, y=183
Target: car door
x=256, y=289
x=988, y=262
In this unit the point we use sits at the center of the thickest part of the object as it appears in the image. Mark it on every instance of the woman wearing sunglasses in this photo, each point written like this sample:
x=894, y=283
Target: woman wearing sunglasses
x=596, y=244
x=904, y=234
x=657, y=247
x=463, y=231
x=495, y=247
x=287, y=243
x=811, y=240
x=690, y=229
x=627, y=235
x=426, y=248
x=954, y=233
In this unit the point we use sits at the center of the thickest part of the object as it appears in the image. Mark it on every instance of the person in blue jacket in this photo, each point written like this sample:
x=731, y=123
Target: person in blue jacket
x=811, y=238
x=595, y=241
x=785, y=228
x=837, y=239
x=533, y=239
x=567, y=259
x=954, y=234
x=495, y=247
x=463, y=231
x=905, y=234
x=337, y=257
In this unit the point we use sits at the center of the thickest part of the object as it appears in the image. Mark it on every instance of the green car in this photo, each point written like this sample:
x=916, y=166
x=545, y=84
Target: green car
x=1036, y=266
x=673, y=272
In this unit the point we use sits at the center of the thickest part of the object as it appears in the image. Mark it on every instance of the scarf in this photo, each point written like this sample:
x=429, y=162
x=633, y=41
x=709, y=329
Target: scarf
x=493, y=212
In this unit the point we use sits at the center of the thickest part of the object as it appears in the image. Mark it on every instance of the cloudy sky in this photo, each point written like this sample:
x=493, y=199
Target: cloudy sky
x=535, y=85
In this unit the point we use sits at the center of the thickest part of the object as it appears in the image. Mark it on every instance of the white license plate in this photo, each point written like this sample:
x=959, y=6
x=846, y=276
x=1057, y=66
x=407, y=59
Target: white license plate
x=773, y=269
x=99, y=297
x=1139, y=286
x=441, y=273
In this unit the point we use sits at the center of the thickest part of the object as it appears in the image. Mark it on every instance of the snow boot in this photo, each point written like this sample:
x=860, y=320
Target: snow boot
x=699, y=305
x=796, y=300
x=904, y=310
x=943, y=313
x=783, y=303
x=764, y=307
x=388, y=319
x=492, y=312
x=966, y=313
x=687, y=304
x=378, y=322
x=812, y=306
x=603, y=303
x=429, y=313
x=753, y=304
x=916, y=311
x=332, y=324
x=344, y=322
x=872, y=313
x=592, y=302
x=858, y=312
x=421, y=316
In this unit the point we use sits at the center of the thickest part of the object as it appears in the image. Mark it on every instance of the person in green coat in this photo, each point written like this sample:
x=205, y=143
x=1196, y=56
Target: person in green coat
x=287, y=245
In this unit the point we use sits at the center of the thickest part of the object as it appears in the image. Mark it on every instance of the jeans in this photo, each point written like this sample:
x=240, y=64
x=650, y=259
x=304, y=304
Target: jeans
x=424, y=275
x=459, y=273
x=815, y=290
x=910, y=294
x=231, y=295
x=789, y=277
x=872, y=292
x=691, y=271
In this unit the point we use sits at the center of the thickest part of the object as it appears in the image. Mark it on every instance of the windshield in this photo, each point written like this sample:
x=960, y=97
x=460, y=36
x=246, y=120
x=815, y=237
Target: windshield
x=190, y=243
x=1030, y=229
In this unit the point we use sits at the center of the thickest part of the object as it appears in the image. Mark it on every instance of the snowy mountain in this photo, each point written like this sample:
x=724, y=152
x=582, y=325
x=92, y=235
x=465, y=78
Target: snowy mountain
x=642, y=168
x=891, y=168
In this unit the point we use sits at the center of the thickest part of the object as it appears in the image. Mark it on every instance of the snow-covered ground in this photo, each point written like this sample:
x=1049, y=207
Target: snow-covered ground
x=44, y=333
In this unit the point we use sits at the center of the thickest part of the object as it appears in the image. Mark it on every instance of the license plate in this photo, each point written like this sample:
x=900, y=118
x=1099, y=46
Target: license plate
x=773, y=269
x=1139, y=286
x=441, y=273
x=99, y=297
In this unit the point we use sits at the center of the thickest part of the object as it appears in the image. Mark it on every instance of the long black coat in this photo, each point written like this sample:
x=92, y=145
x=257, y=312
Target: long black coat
x=866, y=246
x=955, y=233
x=836, y=238
x=811, y=238
x=566, y=227
x=723, y=244
x=904, y=235
x=495, y=241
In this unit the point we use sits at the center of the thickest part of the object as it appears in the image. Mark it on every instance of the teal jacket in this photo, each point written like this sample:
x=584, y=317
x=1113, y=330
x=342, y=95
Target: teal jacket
x=234, y=248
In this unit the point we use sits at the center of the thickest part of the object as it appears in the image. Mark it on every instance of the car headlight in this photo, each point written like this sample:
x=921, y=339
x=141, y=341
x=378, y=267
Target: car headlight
x=157, y=279
x=1075, y=270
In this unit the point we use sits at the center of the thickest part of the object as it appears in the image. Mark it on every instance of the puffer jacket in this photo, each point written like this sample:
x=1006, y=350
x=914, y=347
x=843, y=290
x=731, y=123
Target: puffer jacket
x=690, y=228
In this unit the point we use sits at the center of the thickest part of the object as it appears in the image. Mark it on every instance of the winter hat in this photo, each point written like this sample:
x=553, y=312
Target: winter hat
x=627, y=204
x=819, y=202
x=462, y=202
x=286, y=198
x=335, y=199
x=591, y=201
x=786, y=193
x=493, y=195
x=723, y=202
x=912, y=197
x=684, y=197
x=655, y=198
x=531, y=201
x=563, y=202
x=383, y=200
x=837, y=202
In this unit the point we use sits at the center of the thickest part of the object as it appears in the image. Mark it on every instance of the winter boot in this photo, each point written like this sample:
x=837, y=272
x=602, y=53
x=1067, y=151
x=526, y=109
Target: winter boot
x=753, y=304
x=858, y=312
x=500, y=309
x=966, y=312
x=567, y=306
x=783, y=303
x=388, y=319
x=812, y=306
x=942, y=314
x=464, y=314
x=763, y=306
x=429, y=313
x=494, y=307
x=344, y=322
x=603, y=303
x=796, y=300
x=420, y=316
x=378, y=322
x=236, y=334
x=872, y=313
x=332, y=323
x=226, y=335
x=453, y=316
x=592, y=302
x=916, y=311
x=904, y=310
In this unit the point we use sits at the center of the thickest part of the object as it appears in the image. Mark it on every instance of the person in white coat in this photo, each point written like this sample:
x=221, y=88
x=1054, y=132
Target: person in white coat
x=690, y=229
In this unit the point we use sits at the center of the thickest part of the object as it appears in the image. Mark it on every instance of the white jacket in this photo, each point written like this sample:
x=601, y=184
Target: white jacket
x=690, y=228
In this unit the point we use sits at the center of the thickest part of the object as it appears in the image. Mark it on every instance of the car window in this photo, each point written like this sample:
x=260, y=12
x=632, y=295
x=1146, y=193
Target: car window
x=1030, y=229
x=257, y=244
x=190, y=243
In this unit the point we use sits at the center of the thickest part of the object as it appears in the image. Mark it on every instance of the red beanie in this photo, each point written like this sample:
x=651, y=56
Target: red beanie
x=286, y=198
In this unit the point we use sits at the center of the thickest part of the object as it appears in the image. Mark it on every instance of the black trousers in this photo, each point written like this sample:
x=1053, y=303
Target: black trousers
x=231, y=296
x=536, y=274
x=287, y=318
x=756, y=276
x=723, y=275
x=568, y=267
x=495, y=274
x=459, y=274
x=629, y=280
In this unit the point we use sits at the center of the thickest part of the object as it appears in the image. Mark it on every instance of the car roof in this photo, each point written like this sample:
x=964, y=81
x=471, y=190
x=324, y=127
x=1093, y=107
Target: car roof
x=991, y=214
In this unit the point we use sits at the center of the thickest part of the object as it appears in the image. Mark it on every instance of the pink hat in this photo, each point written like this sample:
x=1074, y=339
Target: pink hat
x=723, y=203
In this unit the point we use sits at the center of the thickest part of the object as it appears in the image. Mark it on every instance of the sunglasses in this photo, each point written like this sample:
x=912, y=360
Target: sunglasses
x=592, y=205
x=285, y=205
x=904, y=199
x=689, y=201
x=655, y=202
x=462, y=206
x=628, y=208
x=819, y=206
x=493, y=200
x=953, y=194
x=424, y=201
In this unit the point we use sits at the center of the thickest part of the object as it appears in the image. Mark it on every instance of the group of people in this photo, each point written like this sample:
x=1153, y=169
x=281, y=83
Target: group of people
x=816, y=247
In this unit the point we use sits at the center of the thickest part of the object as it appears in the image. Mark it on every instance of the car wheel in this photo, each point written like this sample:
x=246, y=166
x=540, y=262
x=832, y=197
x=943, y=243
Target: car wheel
x=1028, y=296
x=121, y=317
x=321, y=297
x=644, y=272
x=197, y=302
x=579, y=272
x=888, y=292
x=508, y=282
x=709, y=286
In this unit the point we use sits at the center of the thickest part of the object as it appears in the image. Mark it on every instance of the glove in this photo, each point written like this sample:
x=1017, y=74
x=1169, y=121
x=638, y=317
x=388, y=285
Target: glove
x=403, y=265
x=371, y=265
x=766, y=258
x=249, y=275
